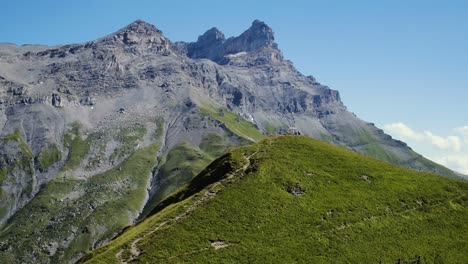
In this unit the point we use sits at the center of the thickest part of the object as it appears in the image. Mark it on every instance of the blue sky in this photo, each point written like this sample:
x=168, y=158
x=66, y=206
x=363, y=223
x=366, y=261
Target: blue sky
x=394, y=62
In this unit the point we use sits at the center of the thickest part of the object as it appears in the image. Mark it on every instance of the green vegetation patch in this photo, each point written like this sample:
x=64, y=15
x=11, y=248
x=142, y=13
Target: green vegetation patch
x=234, y=123
x=77, y=146
x=16, y=136
x=158, y=132
x=215, y=144
x=3, y=173
x=291, y=199
x=97, y=143
x=4, y=199
x=48, y=157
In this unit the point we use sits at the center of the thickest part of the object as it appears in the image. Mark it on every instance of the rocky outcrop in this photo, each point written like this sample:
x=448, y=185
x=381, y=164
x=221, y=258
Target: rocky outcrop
x=56, y=100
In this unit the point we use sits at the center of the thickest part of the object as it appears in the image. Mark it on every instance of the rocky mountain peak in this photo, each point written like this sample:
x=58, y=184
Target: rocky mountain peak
x=258, y=35
x=140, y=26
x=212, y=35
x=139, y=34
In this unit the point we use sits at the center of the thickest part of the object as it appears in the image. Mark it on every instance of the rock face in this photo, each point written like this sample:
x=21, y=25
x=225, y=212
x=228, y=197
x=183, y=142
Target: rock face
x=208, y=46
x=258, y=36
x=64, y=135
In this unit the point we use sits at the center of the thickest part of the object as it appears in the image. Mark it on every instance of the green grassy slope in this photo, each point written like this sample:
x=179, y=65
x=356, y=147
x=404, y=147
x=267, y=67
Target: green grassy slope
x=81, y=213
x=183, y=162
x=294, y=199
x=234, y=123
x=180, y=166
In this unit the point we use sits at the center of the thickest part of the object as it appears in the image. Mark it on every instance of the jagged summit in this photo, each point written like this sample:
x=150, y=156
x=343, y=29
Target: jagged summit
x=139, y=33
x=137, y=27
x=258, y=35
x=213, y=45
x=213, y=34
x=142, y=27
x=209, y=45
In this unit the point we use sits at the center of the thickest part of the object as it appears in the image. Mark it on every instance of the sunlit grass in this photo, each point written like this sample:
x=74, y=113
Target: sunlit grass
x=354, y=209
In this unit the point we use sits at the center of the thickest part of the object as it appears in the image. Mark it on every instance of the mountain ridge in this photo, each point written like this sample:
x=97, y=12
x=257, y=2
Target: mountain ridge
x=212, y=44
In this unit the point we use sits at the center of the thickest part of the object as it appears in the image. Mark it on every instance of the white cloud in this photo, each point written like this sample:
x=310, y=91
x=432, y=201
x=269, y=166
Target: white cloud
x=450, y=142
x=464, y=131
x=457, y=163
x=403, y=132
x=450, y=151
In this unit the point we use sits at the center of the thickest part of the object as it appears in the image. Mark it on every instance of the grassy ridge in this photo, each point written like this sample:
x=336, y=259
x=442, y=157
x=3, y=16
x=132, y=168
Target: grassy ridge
x=301, y=200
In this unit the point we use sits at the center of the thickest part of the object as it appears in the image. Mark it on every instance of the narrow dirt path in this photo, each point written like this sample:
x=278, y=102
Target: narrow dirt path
x=134, y=249
x=208, y=195
x=119, y=257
